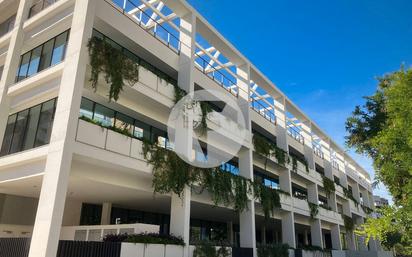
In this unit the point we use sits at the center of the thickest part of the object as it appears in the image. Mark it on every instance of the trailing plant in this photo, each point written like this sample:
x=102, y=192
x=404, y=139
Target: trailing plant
x=273, y=250
x=206, y=249
x=348, y=194
x=145, y=238
x=116, y=67
x=295, y=160
x=314, y=248
x=328, y=185
x=171, y=174
x=266, y=148
x=314, y=209
x=294, y=164
x=348, y=222
x=269, y=198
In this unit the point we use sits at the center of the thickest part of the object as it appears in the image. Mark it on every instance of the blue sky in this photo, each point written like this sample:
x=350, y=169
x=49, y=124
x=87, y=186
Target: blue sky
x=325, y=55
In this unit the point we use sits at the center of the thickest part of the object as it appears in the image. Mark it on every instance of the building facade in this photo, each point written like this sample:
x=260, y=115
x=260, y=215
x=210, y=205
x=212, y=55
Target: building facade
x=380, y=202
x=66, y=172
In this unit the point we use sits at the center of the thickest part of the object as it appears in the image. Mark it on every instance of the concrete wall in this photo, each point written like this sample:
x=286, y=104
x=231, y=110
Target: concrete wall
x=11, y=205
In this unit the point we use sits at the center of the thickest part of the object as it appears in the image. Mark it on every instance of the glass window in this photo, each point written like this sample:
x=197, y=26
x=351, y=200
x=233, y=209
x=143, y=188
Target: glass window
x=59, y=48
x=124, y=122
x=158, y=136
x=19, y=130
x=34, y=61
x=24, y=65
x=86, y=108
x=33, y=122
x=141, y=130
x=46, y=55
x=8, y=135
x=45, y=123
x=104, y=115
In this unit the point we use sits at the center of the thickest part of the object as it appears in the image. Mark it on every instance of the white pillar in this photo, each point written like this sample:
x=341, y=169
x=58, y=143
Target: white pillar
x=11, y=63
x=247, y=217
x=263, y=234
x=373, y=244
x=316, y=232
x=335, y=236
x=313, y=194
x=305, y=237
x=180, y=216
x=50, y=209
x=106, y=214
x=355, y=192
x=288, y=229
x=351, y=240
x=308, y=148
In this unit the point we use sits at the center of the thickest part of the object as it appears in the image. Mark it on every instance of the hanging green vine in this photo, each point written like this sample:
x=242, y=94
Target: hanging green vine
x=294, y=164
x=171, y=174
x=328, y=186
x=266, y=148
x=348, y=222
x=116, y=67
x=348, y=194
x=314, y=209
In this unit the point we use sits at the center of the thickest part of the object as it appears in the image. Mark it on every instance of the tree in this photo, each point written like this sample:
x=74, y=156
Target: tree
x=382, y=129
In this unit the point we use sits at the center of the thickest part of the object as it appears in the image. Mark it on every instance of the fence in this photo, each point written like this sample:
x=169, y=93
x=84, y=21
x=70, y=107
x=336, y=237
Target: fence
x=19, y=247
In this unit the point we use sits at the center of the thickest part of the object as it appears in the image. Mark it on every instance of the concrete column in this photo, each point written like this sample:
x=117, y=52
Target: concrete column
x=313, y=194
x=247, y=217
x=180, y=216
x=316, y=232
x=180, y=206
x=355, y=192
x=362, y=240
x=106, y=214
x=335, y=235
x=351, y=240
x=373, y=245
x=50, y=209
x=285, y=181
x=308, y=148
x=263, y=234
x=332, y=202
x=288, y=229
x=280, y=112
x=12, y=63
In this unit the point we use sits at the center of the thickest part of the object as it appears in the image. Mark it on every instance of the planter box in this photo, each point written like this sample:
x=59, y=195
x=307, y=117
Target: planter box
x=155, y=250
x=91, y=134
x=136, y=149
x=147, y=78
x=174, y=251
x=118, y=143
x=165, y=88
x=132, y=250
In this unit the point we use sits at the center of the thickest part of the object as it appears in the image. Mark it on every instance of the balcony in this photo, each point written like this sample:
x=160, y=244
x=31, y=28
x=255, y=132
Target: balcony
x=295, y=134
x=39, y=6
x=7, y=25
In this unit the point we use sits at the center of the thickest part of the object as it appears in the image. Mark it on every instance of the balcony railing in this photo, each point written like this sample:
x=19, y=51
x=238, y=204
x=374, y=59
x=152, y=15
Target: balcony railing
x=317, y=151
x=158, y=31
x=296, y=135
x=40, y=6
x=7, y=25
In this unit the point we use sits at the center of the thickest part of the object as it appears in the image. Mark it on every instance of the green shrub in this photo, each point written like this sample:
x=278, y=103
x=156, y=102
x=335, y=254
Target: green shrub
x=273, y=250
x=206, y=249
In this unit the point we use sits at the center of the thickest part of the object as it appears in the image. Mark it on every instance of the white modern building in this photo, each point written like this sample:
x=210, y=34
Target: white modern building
x=380, y=201
x=62, y=177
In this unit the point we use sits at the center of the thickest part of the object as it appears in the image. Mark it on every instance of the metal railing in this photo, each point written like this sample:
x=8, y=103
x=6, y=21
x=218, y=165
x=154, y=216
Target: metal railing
x=318, y=151
x=295, y=134
x=158, y=31
x=215, y=74
x=40, y=6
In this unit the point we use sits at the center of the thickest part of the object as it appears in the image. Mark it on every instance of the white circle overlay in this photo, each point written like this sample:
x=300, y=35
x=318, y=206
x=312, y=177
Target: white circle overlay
x=226, y=132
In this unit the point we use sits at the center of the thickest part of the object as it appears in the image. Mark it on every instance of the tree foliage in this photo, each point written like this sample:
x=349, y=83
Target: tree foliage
x=381, y=129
